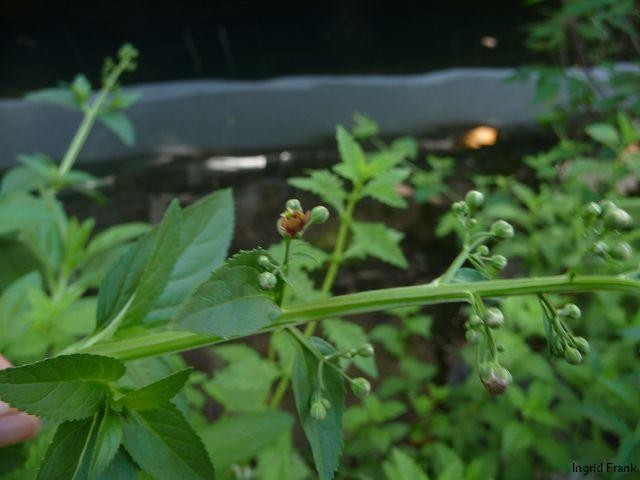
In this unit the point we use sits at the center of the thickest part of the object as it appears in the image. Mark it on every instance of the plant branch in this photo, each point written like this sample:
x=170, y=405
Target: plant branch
x=372, y=301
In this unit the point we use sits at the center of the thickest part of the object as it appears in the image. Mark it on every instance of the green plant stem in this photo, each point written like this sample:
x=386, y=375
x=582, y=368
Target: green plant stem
x=341, y=240
x=90, y=115
x=371, y=301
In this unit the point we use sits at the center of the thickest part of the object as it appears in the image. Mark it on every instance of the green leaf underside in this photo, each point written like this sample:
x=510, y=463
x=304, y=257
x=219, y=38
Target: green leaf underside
x=238, y=438
x=205, y=235
x=67, y=387
x=231, y=302
x=164, y=445
x=157, y=393
x=324, y=436
x=66, y=457
x=120, y=125
x=120, y=468
x=141, y=274
x=465, y=275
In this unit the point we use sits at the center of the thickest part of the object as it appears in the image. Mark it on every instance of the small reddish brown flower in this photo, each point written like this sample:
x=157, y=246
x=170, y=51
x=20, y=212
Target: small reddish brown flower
x=292, y=223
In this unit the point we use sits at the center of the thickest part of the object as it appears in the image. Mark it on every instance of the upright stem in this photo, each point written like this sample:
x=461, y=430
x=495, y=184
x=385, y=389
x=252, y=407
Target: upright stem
x=336, y=257
x=89, y=119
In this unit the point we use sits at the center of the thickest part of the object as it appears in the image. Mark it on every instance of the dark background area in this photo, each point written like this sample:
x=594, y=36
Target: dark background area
x=42, y=42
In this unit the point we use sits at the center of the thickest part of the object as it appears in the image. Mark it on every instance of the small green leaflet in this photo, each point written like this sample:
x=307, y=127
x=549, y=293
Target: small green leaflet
x=326, y=185
x=231, y=302
x=165, y=446
x=67, y=387
x=468, y=275
x=120, y=125
x=379, y=241
x=205, y=235
x=605, y=134
x=384, y=187
x=138, y=277
x=324, y=436
x=354, y=162
x=108, y=439
x=157, y=393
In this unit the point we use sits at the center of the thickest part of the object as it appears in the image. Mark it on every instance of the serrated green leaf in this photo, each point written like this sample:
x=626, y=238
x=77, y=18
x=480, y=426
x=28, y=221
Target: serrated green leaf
x=164, y=445
x=384, y=187
x=205, y=235
x=69, y=451
x=515, y=438
x=364, y=126
x=324, y=436
x=19, y=210
x=157, y=393
x=346, y=335
x=231, y=302
x=354, y=162
x=138, y=277
x=107, y=443
x=605, y=134
x=402, y=467
x=67, y=387
x=61, y=96
x=379, y=241
x=120, y=125
x=325, y=184
x=238, y=438
x=115, y=236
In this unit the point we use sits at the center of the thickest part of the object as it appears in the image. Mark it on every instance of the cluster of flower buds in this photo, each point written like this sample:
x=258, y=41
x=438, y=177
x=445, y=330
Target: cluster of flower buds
x=359, y=386
x=319, y=406
x=480, y=255
x=563, y=342
x=606, y=220
x=479, y=332
x=294, y=221
x=267, y=279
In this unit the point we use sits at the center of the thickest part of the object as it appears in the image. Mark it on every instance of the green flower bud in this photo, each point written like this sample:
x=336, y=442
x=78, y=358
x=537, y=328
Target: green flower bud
x=592, y=210
x=326, y=403
x=473, y=337
x=494, y=377
x=319, y=214
x=582, y=345
x=607, y=205
x=498, y=262
x=572, y=356
x=502, y=229
x=483, y=250
x=360, y=387
x=621, y=251
x=264, y=262
x=475, y=320
x=570, y=310
x=494, y=317
x=601, y=249
x=474, y=199
x=294, y=205
x=617, y=218
x=460, y=208
x=318, y=411
x=267, y=280
x=366, y=350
